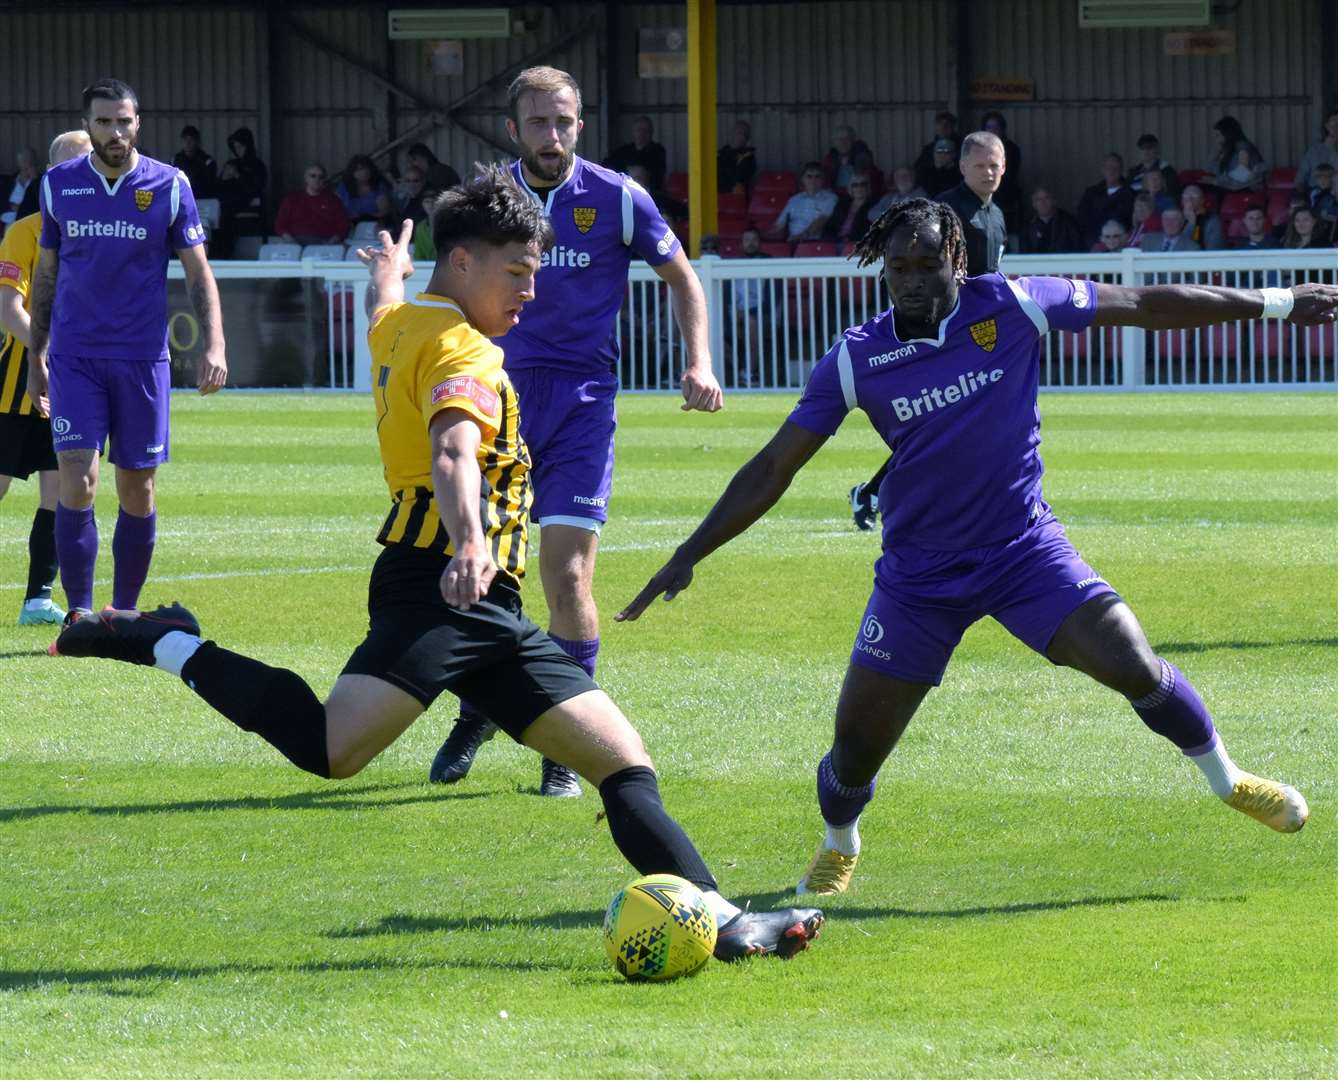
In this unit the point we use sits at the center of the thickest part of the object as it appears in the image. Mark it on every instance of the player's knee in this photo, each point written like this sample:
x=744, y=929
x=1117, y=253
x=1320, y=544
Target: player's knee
x=344, y=764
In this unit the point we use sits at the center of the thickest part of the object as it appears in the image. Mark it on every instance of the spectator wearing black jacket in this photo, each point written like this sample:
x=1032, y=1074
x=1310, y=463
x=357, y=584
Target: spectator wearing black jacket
x=1050, y=229
x=945, y=127
x=1110, y=197
x=243, y=187
x=193, y=160
x=736, y=163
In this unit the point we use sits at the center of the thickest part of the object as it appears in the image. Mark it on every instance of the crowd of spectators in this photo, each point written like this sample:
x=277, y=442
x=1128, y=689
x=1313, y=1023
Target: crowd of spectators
x=1236, y=200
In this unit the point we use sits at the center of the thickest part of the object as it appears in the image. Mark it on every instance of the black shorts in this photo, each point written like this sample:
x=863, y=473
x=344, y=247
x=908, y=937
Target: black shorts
x=25, y=445
x=491, y=654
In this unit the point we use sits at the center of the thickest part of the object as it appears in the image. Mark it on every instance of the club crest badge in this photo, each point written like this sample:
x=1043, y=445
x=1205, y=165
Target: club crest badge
x=985, y=334
x=143, y=200
x=584, y=216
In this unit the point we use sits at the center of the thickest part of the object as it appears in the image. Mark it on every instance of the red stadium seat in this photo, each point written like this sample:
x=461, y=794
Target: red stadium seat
x=1210, y=202
x=814, y=249
x=1281, y=179
x=730, y=249
x=766, y=207
x=732, y=200
x=1194, y=176
x=1278, y=209
x=1235, y=203
x=731, y=223
x=777, y=249
x=1153, y=223
x=777, y=180
x=1236, y=228
x=676, y=183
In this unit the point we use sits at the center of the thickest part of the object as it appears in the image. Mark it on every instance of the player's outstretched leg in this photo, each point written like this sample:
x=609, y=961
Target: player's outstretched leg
x=590, y=733
x=872, y=713
x=1103, y=638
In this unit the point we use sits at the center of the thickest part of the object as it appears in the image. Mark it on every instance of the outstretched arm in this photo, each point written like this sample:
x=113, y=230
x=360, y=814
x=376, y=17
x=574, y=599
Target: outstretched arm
x=1184, y=307
x=212, y=371
x=754, y=490
x=700, y=388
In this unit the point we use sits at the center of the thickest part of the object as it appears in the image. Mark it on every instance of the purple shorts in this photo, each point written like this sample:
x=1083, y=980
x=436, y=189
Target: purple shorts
x=567, y=421
x=126, y=399
x=923, y=601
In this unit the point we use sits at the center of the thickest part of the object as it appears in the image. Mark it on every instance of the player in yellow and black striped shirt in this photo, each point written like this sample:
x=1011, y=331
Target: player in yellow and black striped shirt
x=25, y=431
x=444, y=598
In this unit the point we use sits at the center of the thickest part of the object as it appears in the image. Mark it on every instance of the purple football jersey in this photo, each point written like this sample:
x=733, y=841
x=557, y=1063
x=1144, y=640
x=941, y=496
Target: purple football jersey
x=600, y=218
x=114, y=238
x=958, y=411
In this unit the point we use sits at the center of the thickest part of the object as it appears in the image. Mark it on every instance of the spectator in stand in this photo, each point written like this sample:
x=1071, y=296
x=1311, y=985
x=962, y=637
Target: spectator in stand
x=1324, y=152
x=1258, y=236
x=1145, y=209
x=1324, y=192
x=1009, y=195
x=944, y=173
x=243, y=186
x=1203, y=228
x=412, y=195
x=806, y=214
x=1305, y=230
x=848, y=154
x=642, y=150
x=1149, y=153
x=982, y=168
x=1050, y=230
x=903, y=188
x=193, y=160
x=1110, y=197
x=736, y=163
x=669, y=207
x=1236, y=162
x=364, y=192
x=314, y=215
x=1173, y=236
x=21, y=195
x=437, y=175
x=1114, y=236
x=1154, y=184
x=749, y=300
x=854, y=211
x=945, y=127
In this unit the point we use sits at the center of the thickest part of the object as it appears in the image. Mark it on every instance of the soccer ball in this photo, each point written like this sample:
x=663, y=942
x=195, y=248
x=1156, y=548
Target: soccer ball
x=659, y=927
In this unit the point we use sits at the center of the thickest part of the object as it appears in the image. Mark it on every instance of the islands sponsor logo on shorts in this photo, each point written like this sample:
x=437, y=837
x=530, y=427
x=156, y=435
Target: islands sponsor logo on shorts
x=985, y=334
x=143, y=200
x=1081, y=296
x=590, y=500
x=483, y=396
x=60, y=425
x=584, y=217
x=871, y=633
x=939, y=397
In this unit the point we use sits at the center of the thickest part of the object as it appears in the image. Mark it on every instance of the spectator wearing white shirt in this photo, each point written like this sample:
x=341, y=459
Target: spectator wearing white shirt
x=806, y=213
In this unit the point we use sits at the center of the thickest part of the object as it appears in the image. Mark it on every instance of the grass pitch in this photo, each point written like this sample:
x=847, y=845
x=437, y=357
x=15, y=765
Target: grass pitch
x=1046, y=889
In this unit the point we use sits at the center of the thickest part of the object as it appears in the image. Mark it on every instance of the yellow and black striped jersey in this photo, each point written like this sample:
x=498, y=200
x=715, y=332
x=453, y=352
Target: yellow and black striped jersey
x=18, y=258
x=427, y=357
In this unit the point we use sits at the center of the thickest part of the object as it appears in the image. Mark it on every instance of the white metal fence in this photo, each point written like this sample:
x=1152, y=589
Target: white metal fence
x=772, y=319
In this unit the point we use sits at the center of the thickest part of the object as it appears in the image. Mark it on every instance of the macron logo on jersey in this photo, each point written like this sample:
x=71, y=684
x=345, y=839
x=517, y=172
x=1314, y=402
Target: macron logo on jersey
x=566, y=257
x=77, y=191
x=942, y=396
x=122, y=229
x=889, y=357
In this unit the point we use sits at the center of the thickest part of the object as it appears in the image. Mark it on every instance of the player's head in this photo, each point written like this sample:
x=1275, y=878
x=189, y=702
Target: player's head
x=924, y=258
x=982, y=162
x=489, y=236
x=68, y=145
x=111, y=118
x=545, y=120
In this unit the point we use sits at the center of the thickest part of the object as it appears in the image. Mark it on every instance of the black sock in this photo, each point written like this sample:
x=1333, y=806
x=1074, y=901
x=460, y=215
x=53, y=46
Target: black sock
x=272, y=702
x=42, y=556
x=652, y=841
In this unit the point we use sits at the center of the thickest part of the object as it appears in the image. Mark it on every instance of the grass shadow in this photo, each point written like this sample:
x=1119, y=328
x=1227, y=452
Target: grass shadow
x=333, y=798
x=764, y=901
x=419, y=924
x=18, y=654
x=1211, y=646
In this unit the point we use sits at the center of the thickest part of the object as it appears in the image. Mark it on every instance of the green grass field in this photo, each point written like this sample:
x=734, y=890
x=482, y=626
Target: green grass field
x=1047, y=889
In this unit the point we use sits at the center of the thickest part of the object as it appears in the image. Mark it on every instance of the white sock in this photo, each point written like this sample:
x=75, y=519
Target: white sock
x=1217, y=766
x=173, y=649
x=843, y=838
x=721, y=908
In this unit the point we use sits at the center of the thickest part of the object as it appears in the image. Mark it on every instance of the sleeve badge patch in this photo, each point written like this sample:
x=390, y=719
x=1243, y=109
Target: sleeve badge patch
x=143, y=200
x=10, y=271
x=480, y=393
x=985, y=334
x=1080, y=294
x=584, y=217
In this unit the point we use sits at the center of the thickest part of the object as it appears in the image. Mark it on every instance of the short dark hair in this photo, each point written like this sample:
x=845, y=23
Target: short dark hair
x=419, y=149
x=1148, y=139
x=912, y=213
x=488, y=208
x=191, y=130
x=108, y=89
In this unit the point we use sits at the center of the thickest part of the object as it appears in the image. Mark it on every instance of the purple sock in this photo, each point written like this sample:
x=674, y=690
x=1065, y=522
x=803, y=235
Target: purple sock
x=77, y=552
x=583, y=652
x=1175, y=711
x=840, y=803
x=132, y=551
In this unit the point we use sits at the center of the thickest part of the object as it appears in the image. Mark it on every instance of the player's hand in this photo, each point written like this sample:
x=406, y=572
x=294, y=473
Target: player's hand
x=211, y=374
x=1314, y=305
x=701, y=391
x=672, y=579
x=468, y=576
x=37, y=384
x=392, y=256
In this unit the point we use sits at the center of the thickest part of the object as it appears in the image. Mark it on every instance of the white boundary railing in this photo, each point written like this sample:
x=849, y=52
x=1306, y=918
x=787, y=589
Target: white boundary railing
x=802, y=305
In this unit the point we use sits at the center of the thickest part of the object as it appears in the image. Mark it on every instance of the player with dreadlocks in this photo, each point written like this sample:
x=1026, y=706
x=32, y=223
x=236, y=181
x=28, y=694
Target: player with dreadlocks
x=948, y=376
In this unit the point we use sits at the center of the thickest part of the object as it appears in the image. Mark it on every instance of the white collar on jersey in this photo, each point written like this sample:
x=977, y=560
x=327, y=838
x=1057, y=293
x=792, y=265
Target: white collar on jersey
x=547, y=204
x=111, y=187
x=942, y=327
x=421, y=301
